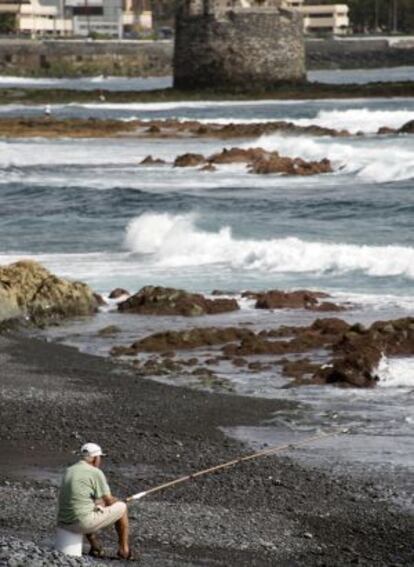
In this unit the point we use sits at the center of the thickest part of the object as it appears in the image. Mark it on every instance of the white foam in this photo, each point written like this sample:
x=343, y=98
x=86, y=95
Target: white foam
x=175, y=240
x=358, y=119
x=396, y=372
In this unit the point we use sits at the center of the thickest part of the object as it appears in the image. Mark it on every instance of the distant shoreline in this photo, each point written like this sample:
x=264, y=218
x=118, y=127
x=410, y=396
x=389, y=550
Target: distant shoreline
x=297, y=91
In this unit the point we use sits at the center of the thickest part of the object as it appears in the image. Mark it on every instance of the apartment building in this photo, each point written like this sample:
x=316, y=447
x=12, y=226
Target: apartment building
x=322, y=18
x=112, y=18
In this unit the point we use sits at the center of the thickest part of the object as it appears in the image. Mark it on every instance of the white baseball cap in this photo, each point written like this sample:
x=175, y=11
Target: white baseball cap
x=92, y=450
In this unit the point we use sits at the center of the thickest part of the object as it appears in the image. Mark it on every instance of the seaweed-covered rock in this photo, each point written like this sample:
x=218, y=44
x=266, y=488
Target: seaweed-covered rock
x=27, y=289
x=191, y=338
x=299, y=299
x=152, y=300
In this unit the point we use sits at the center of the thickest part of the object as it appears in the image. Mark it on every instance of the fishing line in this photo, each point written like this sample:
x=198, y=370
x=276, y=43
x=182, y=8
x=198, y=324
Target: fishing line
x=265, y=452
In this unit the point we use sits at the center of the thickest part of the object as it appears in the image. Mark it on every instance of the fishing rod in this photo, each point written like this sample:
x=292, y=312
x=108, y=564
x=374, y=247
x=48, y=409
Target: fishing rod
x=265, y=452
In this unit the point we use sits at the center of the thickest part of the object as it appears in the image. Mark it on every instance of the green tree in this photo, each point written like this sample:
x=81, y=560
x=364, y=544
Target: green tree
x=7, y=23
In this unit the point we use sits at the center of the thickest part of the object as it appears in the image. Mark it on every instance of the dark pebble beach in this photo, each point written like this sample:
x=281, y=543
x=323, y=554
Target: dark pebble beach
x=269, y=511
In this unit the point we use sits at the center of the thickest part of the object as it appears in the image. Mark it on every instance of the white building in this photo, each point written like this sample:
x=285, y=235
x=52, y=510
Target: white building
x=76, y=17
x=33, y=18
x=322, y=18
x=106, y=17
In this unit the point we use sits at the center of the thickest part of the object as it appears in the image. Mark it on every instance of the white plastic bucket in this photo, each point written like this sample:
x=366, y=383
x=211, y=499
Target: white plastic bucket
x=68, y=542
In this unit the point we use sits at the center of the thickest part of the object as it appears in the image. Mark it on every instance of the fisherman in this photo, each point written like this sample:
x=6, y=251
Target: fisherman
x=86, y=504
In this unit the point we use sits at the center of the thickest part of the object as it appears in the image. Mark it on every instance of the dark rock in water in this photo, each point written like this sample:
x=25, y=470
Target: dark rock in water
x=28, y=289
x=289, y=166
x=189, y=160
x=407, y=128
x=208, y=167
x=222, y=292
x=149, y=160
x=190, y=339
x=358, y=351
x=386, y=130
x=330, y=326
x=300, y=299
x=263, y=162
x=109, y=331
x=118, y=292
x=328, y=306
x=153, y=129
x=152, y=300
x=122, y=351
x=239, y=155
x=258, y=160
x=299, y=369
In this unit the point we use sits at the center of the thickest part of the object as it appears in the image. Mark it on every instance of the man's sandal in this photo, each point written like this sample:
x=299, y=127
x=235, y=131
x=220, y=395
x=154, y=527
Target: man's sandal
x=97, y=552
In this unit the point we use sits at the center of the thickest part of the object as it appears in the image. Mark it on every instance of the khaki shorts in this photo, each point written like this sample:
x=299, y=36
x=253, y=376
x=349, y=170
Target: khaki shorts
x=101, y=517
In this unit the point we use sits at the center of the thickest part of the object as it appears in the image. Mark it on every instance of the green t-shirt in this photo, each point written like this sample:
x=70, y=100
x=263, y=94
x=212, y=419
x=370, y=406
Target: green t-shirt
x=82, y=484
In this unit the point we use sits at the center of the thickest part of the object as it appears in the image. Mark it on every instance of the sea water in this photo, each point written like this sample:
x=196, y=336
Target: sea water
x=88, y=210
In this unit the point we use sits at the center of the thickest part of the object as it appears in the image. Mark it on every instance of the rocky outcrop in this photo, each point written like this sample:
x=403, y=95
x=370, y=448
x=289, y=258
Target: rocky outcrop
x=300, y=299
x=289, y=166
x=27, y=289
x=152, y=300
x=149, y=160
x=358, y=352
x=407, y=128
x=168, y=341
x=258, y=161
x=353, y=351
x=189, y=160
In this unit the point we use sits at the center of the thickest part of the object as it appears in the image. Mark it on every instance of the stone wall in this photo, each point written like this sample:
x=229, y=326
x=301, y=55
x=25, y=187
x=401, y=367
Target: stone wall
x=358, y=54
x=143, y=59
x=80, y=58
x=248, y=49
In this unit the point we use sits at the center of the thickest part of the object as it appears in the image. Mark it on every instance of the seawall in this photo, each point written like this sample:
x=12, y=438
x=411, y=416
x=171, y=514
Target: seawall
x=83, y=58
x=154, y=58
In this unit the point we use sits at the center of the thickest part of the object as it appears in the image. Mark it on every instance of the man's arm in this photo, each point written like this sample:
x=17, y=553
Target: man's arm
x=109, y=499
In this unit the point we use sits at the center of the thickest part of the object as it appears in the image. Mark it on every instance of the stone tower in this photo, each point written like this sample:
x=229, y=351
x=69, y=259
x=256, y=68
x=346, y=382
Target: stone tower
x=237, y=45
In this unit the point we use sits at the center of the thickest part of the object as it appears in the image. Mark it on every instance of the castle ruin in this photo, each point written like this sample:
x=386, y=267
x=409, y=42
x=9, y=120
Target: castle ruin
x=237, y=45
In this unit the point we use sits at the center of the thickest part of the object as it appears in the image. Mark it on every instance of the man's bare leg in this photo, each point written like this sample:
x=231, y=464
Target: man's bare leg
x=94, y=543
x=122, y=528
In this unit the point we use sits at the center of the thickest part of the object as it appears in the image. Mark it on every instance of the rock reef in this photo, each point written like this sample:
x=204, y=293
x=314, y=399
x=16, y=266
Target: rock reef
x=151, y=300
x=257, y=160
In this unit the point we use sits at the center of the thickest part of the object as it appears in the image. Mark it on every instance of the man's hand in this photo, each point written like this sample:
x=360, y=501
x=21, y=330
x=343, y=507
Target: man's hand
x=109, y=499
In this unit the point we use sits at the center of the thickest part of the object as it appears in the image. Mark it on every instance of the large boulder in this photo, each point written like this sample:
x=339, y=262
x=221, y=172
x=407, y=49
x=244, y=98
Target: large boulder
x=27, y=289
x=152, y=300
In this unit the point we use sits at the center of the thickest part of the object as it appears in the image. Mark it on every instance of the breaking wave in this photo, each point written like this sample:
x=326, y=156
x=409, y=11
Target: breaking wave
x=175, y=240
x=358, y=119
x=367, y=159
x=396, y=372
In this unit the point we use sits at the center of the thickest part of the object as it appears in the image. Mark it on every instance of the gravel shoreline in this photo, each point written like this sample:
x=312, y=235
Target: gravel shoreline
x=272, y=511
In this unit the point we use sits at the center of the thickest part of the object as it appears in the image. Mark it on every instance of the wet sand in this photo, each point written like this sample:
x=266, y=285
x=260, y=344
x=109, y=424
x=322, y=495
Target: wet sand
x=272, y=511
